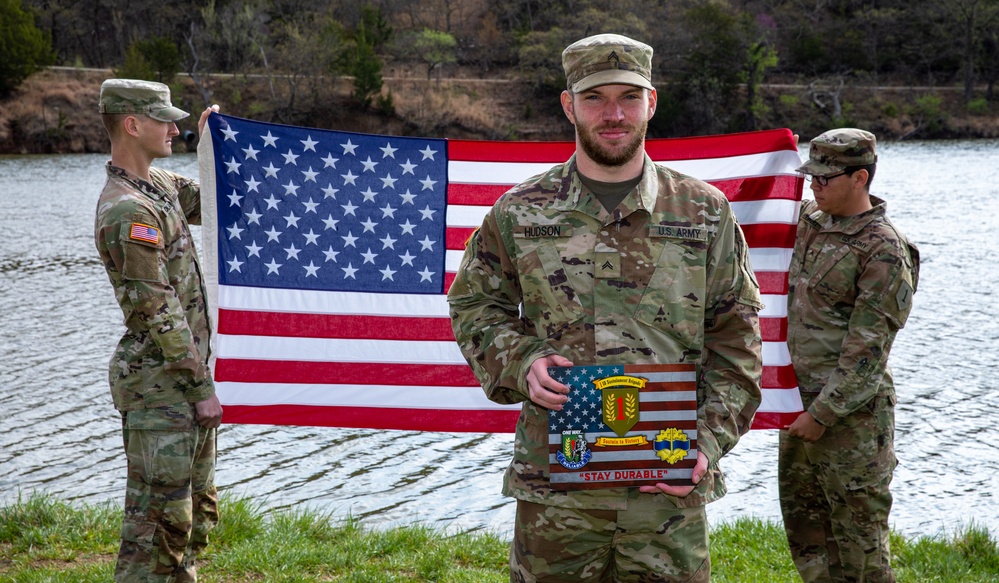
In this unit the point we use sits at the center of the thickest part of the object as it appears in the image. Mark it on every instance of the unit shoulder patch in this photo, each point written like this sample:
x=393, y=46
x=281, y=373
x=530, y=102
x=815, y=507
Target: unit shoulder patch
x=904, y=295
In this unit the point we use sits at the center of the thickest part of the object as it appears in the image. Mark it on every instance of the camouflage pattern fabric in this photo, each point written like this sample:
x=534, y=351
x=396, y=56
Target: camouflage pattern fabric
x=850, y=290
x=171, y=503
x=835, y=150
x=604, y=59
x=159, y=370
x=851, y=282
x=162, y=359
x=664, y=278
x=835, y=499
x=649, y=543
x=137, y=96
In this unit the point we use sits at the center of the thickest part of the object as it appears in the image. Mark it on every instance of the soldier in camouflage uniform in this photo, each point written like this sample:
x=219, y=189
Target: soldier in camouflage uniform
x=610, y=258
x=159, y=374
x=852, y=277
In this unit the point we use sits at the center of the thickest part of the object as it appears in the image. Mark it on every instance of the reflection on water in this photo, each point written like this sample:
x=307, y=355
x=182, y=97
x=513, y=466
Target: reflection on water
x=59, y=432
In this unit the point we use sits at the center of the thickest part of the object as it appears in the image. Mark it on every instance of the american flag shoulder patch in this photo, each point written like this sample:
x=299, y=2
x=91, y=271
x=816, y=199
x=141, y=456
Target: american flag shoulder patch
x=141, y=232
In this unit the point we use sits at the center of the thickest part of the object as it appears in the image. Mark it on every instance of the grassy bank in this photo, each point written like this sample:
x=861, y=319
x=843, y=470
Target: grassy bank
x=43, y=539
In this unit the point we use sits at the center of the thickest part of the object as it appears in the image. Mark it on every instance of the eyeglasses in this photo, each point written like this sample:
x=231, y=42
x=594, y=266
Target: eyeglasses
x=822, y=180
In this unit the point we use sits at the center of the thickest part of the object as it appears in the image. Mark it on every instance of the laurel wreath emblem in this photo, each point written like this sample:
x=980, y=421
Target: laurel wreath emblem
x=631, y=406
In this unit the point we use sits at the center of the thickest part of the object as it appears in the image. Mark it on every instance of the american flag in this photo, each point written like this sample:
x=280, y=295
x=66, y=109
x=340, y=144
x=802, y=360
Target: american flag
x=667, y=403
x=145, y=233
x=328, y=256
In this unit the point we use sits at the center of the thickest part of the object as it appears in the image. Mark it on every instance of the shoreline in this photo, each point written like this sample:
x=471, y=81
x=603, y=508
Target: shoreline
x=55, y=110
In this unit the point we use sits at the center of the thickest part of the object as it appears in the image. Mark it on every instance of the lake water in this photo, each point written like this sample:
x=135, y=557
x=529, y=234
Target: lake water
x=60, y=434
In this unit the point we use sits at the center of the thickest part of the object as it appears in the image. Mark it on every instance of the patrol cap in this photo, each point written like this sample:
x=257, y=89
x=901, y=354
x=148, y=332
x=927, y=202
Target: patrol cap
x=835, y=150
x=607, y=59
x=135, y=96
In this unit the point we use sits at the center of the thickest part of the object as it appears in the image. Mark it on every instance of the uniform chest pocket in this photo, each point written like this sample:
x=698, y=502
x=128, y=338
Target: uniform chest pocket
x=674, y=299
x=834, y=276
x=551, y=301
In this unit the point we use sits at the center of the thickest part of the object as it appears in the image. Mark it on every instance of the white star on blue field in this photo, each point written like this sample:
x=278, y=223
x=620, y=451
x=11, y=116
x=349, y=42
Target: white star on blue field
x=583, y=410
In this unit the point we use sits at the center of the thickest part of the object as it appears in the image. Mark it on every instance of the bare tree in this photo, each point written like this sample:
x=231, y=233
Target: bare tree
x=193, y=67
x=974, y=19
x=306, y=49
x=826, y=97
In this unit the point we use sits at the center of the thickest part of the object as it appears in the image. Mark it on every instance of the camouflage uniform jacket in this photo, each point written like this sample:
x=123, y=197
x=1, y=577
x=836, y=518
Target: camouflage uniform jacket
x=851, y=282
x=162, y=359
x=664, y=278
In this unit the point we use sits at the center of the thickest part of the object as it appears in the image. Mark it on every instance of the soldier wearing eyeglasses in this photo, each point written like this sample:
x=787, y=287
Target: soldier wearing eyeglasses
x=851, y=281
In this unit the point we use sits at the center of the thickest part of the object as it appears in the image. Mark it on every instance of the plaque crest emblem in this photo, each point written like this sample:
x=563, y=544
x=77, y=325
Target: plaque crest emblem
x=620, y=401
x=671, y=445
x=573, y=454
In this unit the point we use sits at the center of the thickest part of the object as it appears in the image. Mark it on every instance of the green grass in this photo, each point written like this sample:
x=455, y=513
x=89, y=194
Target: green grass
x=43, y=539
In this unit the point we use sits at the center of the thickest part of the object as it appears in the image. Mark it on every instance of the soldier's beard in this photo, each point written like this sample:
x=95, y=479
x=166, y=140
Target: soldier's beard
x=588, y=140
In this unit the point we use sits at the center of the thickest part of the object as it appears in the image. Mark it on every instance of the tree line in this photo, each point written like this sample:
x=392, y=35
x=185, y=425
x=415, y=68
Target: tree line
x=712, y=56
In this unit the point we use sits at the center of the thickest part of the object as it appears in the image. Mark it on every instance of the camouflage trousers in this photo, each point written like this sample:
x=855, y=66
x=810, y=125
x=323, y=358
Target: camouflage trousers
x=650, y=542
x=835, y=499
x=171, y=503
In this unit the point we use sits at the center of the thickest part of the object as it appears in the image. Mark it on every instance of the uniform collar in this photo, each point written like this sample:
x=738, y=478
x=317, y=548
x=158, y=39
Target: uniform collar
x=578, y=198
x=140, y=184
x=853, y=224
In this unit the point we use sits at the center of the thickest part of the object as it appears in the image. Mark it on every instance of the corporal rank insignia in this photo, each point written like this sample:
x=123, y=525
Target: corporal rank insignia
x=624, y=425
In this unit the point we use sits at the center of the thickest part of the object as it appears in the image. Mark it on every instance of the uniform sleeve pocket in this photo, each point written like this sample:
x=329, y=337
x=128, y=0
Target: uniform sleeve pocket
x=142, y=257
x=897, y=303
x=142, y=262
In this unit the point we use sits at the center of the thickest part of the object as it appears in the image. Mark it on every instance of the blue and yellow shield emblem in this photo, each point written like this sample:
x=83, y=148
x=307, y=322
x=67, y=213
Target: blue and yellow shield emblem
x=671, y=445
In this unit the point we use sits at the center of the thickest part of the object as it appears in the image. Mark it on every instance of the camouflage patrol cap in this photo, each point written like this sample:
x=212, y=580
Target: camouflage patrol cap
x=135, y=96
x=607, y=59
x=835, y=150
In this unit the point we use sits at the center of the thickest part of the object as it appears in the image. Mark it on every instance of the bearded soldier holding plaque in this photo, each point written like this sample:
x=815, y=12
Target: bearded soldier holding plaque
x=595, y=293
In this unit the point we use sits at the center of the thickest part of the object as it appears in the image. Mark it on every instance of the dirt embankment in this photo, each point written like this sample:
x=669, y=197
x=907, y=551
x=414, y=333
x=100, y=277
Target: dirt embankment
x=55, y=111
